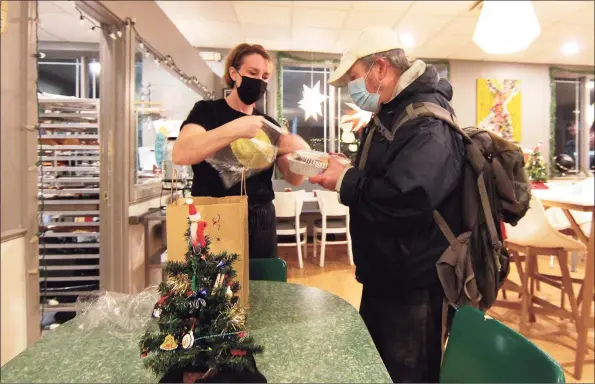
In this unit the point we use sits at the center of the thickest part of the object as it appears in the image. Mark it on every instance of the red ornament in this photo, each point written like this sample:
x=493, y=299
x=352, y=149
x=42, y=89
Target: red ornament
x=238, y=352
x=242, y=335
x=162, y=300
x=189, y=293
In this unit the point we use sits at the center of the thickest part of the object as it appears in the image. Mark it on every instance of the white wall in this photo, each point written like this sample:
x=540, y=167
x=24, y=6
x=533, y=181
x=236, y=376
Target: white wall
x=14, y=299
x=535, y=102
x=175, y=97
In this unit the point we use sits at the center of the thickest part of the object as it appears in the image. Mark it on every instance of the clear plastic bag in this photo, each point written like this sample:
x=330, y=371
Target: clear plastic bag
x=115, y=313
x=248, y=156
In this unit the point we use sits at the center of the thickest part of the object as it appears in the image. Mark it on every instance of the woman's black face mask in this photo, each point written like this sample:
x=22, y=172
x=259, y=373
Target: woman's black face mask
x=251, y=90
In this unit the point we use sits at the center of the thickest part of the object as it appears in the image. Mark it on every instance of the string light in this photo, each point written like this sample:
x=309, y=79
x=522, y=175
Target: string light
x=170, y=62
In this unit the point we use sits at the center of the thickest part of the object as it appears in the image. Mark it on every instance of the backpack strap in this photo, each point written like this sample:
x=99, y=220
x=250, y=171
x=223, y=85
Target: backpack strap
x=427, y=109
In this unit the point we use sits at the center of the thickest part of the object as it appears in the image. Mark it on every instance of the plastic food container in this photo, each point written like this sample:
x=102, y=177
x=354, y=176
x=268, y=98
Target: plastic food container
x=310, y=163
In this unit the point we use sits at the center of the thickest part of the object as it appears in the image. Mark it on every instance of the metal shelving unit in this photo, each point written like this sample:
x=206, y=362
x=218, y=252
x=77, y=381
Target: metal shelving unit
x=68, y=187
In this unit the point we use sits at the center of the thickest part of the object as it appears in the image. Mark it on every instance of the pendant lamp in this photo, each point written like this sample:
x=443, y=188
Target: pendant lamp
x=506, y=27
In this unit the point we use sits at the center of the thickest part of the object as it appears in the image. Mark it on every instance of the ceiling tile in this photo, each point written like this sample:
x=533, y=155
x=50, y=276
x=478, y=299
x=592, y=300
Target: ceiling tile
x=585, y=16
x=314, y=39
x=211, y=34
x=268, y=32
x=461, y=26
x=422, y=27
x=552, y=11
x=375, y=6
x=429, y=23
x=320, y=18
x=337, y=5
x=269, y=2
x=358, y=20
x=268, y=14
x=198, y=10
x=440, y=7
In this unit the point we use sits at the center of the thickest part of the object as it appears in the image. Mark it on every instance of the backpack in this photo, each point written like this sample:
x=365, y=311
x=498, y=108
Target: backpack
x=495, y=189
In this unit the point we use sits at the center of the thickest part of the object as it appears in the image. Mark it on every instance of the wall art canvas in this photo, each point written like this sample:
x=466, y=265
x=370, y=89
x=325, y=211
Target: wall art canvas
x=499, y=107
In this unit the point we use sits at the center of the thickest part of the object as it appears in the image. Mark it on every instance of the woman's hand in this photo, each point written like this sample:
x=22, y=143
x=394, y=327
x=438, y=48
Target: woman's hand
x=246, y=127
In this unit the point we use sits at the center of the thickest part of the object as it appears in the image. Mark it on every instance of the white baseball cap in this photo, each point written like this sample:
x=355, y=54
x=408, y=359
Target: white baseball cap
x=369, y=41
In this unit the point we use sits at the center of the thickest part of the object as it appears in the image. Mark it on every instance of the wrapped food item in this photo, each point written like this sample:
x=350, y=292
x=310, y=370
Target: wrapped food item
x=311, y=163
x=251, y=156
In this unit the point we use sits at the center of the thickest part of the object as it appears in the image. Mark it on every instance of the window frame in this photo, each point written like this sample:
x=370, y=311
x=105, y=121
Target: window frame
x=558, y=74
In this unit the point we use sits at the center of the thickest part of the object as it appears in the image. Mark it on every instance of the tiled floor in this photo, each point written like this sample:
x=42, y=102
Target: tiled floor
x=557, y=337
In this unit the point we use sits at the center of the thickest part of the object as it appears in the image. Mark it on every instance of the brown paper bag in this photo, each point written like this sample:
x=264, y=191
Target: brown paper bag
x=227, y=226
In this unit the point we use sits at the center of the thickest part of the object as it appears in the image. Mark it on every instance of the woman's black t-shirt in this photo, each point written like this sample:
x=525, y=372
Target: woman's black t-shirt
x=211, y=114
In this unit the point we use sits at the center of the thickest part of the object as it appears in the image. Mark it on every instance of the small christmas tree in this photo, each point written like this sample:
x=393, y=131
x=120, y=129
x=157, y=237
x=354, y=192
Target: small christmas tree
x=200, y=326
x=536, y=168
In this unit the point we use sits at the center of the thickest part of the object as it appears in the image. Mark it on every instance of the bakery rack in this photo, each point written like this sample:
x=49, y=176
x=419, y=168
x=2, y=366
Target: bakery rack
x=68, y=186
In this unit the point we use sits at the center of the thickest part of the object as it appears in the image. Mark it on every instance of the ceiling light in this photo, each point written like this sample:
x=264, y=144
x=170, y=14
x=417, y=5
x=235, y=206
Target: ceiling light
x=406, y=40
x=95, y=67
x=570, y=48
x=210, y=56
x=506, y=27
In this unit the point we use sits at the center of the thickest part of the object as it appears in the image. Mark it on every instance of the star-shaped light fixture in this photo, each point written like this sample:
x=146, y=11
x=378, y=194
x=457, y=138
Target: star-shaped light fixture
x=311, y=100
x=358, y=116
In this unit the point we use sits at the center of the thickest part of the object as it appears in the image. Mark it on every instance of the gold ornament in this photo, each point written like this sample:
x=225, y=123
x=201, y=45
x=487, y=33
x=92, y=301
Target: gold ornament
x=179, y=284
x=256, y=153
x=169, y=343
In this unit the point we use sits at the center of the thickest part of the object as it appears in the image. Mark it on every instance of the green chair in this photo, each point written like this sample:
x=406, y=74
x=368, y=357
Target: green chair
x=483, y=350
x=268, y=269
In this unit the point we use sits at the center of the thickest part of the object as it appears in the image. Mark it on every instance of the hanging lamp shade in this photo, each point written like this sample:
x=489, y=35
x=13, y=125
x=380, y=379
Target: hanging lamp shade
x=506, y=27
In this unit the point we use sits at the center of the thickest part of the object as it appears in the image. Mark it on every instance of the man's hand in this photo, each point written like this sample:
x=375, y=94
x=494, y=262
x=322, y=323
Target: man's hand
x=328, y=179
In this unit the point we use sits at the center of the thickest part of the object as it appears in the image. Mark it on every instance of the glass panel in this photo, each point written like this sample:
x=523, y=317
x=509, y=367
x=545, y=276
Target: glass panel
x=58, y=76
x=162, y=102
x=567, y=119
x=315, y=129
x=93, y=79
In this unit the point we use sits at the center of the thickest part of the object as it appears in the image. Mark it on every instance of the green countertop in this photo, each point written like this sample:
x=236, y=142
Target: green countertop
x=309, y=335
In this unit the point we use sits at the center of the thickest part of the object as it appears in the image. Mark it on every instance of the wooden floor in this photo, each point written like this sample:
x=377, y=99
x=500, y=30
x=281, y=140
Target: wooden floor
x=555, y=336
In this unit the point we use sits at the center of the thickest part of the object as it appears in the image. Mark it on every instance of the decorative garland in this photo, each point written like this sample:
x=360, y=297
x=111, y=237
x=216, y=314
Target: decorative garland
x=553, y=71
x=116, y=33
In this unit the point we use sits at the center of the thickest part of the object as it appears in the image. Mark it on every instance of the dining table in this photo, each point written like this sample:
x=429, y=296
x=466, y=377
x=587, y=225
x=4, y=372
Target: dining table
x=309, y=335
x=568, y=200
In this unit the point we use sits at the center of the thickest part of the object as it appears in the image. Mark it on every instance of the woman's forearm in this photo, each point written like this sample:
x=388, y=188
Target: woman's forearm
x=195, y=145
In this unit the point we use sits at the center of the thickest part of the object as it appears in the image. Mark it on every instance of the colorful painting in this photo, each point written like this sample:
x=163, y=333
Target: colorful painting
x=499, y=107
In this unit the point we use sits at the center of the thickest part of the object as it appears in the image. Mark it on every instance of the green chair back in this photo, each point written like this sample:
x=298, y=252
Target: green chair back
x=483, y=350
x=273, y=269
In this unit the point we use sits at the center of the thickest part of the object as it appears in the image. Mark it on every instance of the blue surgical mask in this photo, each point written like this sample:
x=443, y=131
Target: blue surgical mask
x=360, y=95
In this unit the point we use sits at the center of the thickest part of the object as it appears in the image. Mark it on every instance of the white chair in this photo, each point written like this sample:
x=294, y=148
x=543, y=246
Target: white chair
x=289, y=205
x=335, y=220
x=534, y=236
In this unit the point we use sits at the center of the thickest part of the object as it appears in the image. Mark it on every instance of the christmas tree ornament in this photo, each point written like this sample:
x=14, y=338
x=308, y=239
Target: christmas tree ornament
x=197, y=227
x=169, y=343
x=188, y=339
x=238, y=352
x=156, y=312
x=179, y=284
x=228, y=292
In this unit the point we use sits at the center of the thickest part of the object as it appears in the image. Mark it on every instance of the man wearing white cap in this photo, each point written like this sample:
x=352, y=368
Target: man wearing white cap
x=406, y=167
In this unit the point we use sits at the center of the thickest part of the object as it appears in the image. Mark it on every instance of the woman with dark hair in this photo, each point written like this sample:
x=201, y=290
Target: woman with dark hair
x=214, y=124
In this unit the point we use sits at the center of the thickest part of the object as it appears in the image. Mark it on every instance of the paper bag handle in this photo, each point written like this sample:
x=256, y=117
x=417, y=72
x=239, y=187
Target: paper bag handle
x=243, y=190
x=174, y=180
